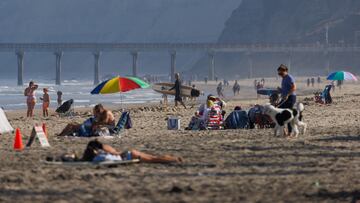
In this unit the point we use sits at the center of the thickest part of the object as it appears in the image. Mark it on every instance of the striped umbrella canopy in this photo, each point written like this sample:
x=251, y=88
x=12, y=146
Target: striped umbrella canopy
x=342, y=75
x=119, y=84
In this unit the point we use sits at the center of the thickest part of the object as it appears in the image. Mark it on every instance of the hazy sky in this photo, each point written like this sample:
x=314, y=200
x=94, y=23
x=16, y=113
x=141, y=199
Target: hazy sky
x=108, y=21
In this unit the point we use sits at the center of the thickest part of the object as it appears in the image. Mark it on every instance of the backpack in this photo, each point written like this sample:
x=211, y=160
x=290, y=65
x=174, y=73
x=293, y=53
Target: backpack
x=237, y=120
x=195, y=93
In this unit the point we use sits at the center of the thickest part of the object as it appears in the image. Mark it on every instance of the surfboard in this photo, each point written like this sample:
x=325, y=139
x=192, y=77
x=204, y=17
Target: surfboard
x=186, y=91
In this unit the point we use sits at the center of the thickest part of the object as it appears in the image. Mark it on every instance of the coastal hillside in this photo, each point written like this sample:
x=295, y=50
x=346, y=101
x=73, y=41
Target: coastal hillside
x=289, y=21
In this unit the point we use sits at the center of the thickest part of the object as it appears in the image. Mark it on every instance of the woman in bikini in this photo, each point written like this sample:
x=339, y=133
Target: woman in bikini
x=30, y=98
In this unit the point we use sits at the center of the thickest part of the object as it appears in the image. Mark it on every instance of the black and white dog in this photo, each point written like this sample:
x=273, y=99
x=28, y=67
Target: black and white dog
x=282, y=117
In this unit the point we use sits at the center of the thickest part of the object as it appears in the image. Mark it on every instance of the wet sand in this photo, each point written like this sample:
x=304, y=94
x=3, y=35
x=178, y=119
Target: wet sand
x=220, y=166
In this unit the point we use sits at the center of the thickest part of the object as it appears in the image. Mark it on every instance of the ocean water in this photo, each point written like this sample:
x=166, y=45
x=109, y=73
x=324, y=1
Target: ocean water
x=12, y=96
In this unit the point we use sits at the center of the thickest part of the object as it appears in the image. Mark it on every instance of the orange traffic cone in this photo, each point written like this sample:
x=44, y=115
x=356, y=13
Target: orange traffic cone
x=44, y=129
x=18, y=145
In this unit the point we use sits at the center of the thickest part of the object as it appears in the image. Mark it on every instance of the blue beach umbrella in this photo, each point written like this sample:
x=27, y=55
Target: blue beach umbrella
x=341, y=75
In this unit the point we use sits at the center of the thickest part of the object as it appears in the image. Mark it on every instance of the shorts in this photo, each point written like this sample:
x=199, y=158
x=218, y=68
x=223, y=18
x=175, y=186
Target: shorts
x=126, y=155
x=46, y=105
x=178, y=98
x=106, y=157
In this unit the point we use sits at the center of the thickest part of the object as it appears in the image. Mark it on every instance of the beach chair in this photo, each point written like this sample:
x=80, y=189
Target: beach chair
x=5, y=126
x=66, y=109
x=214, y=119
x=123, y=123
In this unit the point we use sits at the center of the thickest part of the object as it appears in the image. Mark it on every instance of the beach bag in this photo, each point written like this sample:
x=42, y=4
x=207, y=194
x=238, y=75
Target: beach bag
x=173, y=123
x=237, y=120
x=195, y=93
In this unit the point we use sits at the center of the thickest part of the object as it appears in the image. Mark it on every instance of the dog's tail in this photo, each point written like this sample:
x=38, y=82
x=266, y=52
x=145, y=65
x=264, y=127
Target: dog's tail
x=300, y=107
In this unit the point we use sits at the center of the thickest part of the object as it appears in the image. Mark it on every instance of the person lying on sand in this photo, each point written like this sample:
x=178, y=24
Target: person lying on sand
x=97, y=152
x=102, y=118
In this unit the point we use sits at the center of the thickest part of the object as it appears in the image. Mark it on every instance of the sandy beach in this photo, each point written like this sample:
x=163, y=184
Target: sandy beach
x=220, y=166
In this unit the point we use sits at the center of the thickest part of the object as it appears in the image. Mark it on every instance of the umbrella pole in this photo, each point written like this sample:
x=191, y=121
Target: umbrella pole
x=121, y=102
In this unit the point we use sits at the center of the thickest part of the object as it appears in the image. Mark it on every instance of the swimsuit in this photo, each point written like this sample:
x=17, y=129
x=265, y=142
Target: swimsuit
x=31, y=99
x=46, y=105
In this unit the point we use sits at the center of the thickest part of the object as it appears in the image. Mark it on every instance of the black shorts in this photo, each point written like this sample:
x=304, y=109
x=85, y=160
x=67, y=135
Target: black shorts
x=178, y=98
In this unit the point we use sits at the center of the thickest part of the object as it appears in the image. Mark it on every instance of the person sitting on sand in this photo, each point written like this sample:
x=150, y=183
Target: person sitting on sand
x=102, y=118
x=46, y=102
x=30, y=98
x=97, y=152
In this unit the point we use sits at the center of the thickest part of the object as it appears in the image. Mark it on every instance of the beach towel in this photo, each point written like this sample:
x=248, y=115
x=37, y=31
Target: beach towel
x=5, y=126
x=91, y=163
x=237, y=120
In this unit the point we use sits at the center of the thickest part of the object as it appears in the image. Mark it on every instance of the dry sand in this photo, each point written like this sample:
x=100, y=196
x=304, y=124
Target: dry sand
x=220, y=166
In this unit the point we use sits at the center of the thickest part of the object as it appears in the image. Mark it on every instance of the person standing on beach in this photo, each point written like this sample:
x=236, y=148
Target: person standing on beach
x=59, y=98
x=263, y=82
x=177, y=88
x=288, y=88
x=319, y=80
x=46, y=102
x=220, y=90
x=312, y=82
x=30, y=98
x=236, y=88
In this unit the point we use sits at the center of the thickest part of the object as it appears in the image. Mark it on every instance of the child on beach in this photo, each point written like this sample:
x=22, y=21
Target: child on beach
x=59, y=98
x=46, y=102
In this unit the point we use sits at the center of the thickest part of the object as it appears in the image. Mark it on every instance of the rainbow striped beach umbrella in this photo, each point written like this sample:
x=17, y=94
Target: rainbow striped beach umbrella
x=119, y=84
x=341, y=75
